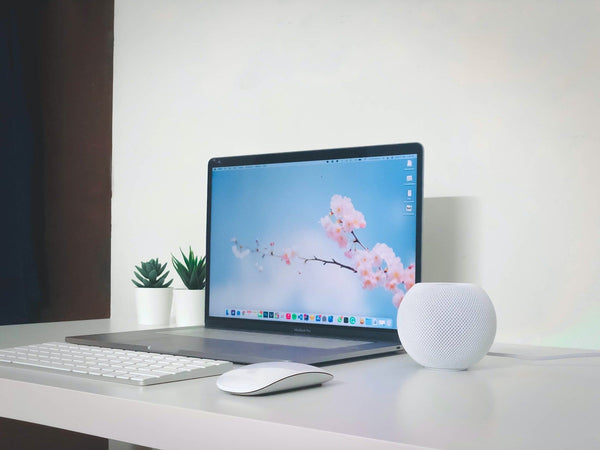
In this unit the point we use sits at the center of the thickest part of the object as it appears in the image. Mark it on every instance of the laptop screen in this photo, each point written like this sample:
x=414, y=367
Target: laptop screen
x=327, y=238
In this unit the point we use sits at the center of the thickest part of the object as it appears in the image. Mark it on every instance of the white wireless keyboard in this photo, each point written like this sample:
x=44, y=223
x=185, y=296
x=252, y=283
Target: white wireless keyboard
x=122, y=366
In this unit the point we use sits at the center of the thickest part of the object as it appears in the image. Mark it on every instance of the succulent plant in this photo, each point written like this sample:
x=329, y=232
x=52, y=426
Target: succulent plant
x=193, y=272
x=150, y=275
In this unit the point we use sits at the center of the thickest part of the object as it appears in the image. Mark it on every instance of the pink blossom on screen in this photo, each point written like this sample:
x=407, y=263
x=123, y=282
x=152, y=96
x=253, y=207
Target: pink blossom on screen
x=385, y=253
x=408, y=277
x=341, y=239
x=363, y=258
x=287, y=255
x=340, y=206
x=353, y=220
x=374, y=267
x=334, y=231
x=369, y=282
x=391, y=284
x=376, y=259
x=397, y=299
x=379, y=276
x=396, y=272
x=325, y=223
x=343, y=209
x=364, y=271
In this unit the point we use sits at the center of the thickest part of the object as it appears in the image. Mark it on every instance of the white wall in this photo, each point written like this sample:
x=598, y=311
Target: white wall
x=504, y=96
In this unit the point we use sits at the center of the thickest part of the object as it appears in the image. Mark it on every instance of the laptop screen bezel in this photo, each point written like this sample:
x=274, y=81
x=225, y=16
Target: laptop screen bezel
x=350, y=331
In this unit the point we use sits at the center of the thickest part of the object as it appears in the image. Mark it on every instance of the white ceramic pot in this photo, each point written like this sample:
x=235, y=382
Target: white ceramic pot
x=189, y=307
x=153, y=305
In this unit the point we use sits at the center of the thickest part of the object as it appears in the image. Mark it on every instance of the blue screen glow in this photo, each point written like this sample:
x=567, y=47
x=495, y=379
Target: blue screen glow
x=329, y=242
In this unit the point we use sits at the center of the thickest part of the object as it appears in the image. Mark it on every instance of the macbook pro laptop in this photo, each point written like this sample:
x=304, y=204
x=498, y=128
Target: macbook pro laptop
x=308, y=256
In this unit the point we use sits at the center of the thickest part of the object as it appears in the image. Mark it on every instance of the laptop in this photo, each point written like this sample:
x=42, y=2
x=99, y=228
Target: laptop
x=308, y=256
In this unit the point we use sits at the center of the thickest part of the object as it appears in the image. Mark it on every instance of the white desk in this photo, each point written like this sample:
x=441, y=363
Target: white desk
x=381, y=403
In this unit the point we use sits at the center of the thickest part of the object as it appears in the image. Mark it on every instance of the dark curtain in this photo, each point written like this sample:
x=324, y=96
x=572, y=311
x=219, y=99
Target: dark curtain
x=56, y=67
x=20, y=297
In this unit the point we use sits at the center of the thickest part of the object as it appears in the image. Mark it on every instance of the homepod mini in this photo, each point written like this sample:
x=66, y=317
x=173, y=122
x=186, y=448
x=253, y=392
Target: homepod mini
x=446, y=325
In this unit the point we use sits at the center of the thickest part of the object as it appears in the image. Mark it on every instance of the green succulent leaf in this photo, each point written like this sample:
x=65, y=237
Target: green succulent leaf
x=141, y=271
x=185, y=260
x=148, y=273
x=194, y=274
x=192, y=271
x=138, y=276
x=179, y=268
x=160, y=281
x=152, y=275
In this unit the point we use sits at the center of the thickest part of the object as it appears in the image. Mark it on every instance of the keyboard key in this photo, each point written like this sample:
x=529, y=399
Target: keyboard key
x=42, y=365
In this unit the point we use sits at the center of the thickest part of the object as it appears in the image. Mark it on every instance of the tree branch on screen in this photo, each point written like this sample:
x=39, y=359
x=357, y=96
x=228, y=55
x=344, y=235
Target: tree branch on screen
x=376, y=267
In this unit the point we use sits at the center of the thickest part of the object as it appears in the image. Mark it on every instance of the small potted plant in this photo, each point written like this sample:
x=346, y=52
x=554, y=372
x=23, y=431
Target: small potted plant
x=153, y=296
x=189, y=302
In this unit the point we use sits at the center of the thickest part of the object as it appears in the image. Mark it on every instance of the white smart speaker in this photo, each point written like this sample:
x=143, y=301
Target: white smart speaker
x=446, y=325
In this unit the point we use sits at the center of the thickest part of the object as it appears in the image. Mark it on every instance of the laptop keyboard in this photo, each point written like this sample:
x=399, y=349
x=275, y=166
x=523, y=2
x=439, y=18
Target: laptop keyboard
x=106, y=364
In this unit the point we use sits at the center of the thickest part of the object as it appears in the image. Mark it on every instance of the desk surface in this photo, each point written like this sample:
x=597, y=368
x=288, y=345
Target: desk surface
x=387, y=402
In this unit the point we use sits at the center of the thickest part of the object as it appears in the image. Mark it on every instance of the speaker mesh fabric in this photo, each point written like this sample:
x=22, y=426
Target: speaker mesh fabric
x=446, y=325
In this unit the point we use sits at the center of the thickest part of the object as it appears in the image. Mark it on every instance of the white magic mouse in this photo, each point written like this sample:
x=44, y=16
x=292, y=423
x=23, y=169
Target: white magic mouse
x=267, y=377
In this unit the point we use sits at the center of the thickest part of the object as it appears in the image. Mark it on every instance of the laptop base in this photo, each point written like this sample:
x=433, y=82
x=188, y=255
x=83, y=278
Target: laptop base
x=237, y=346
